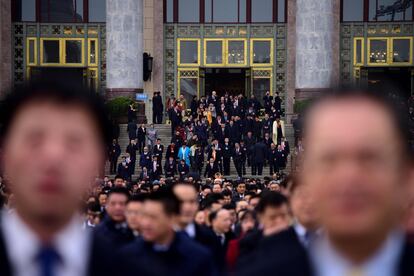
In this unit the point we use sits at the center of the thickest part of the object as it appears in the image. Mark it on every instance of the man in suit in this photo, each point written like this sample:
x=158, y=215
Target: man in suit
x=262, y=247
x=145, y=160
x=221, y=222
x=141, y=136
x=132, y=149
x=170, y=167
x=238, y=159
x=53, y=142
x=211, y=169
x=259, y=154
x=187, y=194
x=132, y=130
x=114, y=153
x=158, y=150
x=267, y=102
x=162, y=251
x=156, y=169
x=249, y=142
x=157, y=108
x=227, y=154
x=183, y=169
x=114, y=226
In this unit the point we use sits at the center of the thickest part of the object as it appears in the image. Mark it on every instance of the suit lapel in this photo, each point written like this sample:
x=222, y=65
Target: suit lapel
x=406, y=267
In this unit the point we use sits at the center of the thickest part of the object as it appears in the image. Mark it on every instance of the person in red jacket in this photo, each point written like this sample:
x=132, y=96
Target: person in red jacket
x=247, y=222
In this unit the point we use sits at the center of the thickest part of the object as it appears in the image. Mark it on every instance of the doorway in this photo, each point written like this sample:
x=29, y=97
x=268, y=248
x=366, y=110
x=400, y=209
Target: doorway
x=74, y=76
x=222, y=80
x=398, y=80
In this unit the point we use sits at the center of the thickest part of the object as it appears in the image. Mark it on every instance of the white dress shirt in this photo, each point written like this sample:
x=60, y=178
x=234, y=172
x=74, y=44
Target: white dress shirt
x=328, y=262
x=190, y=230
x=72, y=244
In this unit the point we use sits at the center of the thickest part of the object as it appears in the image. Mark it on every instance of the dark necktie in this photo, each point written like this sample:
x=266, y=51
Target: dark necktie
x=47, y=259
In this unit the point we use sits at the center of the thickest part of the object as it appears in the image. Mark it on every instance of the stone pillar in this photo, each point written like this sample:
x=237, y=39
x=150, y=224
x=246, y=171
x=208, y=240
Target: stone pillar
x=317, y=46
x=291, y=60
x=124, y=44
x=5, y=46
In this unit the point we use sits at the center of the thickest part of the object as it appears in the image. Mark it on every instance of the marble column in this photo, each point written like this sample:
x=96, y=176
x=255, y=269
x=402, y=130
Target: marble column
x=125, y=44
x=5, y=46
x=317, y=46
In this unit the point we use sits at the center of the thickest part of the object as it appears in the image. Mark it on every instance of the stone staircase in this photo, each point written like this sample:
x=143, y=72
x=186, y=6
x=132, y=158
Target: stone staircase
x=164, y=133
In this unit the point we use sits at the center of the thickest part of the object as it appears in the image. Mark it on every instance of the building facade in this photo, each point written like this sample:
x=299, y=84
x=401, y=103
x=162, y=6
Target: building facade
x=297, y=48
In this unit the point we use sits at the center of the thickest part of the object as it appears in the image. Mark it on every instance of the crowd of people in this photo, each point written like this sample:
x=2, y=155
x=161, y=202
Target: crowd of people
x=206, y=137
x=348, y=211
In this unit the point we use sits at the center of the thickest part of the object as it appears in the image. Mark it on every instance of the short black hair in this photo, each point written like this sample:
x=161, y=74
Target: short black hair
x=137, y=198
x=270, y=199
x=168, y=199
x=59, y=94
x=380, y=97
x=119, y=190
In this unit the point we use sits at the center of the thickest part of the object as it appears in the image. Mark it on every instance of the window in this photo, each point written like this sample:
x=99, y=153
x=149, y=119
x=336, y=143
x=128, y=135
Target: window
x=61, y=11
x=261, y=52
x=353, y=10
x=93, y=52
x=169, y=11
x=262, y=82
x=213, y=52
x=188, y=84
x=73, y=51
x=62, y=51
x=281, y=11
x=359, y=51
x=390, y=51
x=262, y=10
x=50, y=51
x=56, y=11
x=391, y=10
x=225, y=11
x=97, y=11
x=401, y=50
x=378, y=50
x=25, y=10
x=31, y=51
x=189, y=51
x=188, y=11
x=377, y=10
x=236, y=52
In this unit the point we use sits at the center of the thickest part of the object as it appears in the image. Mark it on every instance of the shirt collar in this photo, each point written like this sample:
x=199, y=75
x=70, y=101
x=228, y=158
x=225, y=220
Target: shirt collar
x=72, y=243
x=190, y=230
x=329, y=262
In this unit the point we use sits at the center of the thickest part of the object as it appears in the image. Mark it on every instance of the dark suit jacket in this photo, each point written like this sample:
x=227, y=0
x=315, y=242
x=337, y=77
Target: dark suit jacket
x=118, y=237
x=100, y=259
x=206, y=237
x=283, y=255
x=184, y=258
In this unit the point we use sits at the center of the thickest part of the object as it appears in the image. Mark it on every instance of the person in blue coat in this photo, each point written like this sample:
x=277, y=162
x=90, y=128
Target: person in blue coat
x=161, y=250
x=184, y=154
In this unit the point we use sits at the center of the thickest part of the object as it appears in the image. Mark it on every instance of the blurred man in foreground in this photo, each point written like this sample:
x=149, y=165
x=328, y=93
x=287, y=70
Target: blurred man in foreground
x=359, y=173
x=53, y=141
